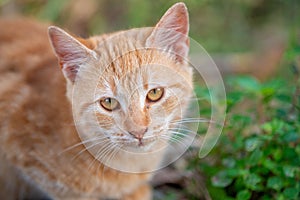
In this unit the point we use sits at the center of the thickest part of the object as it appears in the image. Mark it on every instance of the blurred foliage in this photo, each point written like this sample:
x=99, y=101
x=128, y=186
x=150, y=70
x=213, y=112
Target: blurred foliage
x=233, y=25
x=258, y=154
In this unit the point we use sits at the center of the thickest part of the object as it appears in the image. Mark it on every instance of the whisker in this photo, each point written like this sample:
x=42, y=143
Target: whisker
x=179, y=125
x=190, y=119
x=82, y=142
x=172, y=139
x=116, y=149
x=102, y=151
x=167, y=142
x=194, y=121
x=87, y=148
x=187, y=133
x=182, y=137
x=183, y=129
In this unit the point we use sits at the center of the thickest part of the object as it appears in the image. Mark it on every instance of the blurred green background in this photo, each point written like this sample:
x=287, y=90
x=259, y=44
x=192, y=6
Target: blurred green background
x=219, y=25
x=240, y=35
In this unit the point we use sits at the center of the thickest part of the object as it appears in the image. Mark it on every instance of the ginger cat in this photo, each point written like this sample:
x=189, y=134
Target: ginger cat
x=95, y=127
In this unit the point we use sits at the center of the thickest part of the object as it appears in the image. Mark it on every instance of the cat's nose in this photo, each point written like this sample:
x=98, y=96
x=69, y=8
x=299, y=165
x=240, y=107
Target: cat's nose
x=138, y=134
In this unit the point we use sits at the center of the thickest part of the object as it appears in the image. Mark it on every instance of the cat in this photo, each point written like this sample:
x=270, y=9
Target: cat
x=96, y=127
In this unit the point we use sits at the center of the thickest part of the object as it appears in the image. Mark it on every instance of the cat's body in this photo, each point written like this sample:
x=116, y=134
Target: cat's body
x=26, y=106
x=37, y=119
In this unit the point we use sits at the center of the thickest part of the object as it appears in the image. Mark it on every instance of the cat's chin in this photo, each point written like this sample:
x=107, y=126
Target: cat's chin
x=143, y=146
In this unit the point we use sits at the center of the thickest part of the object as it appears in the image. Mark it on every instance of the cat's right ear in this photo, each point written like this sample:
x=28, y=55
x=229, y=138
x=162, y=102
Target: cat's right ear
x=70, y=52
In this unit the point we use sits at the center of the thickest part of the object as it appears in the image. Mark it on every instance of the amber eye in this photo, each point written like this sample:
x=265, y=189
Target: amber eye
x=155, y=94
x=109, y=103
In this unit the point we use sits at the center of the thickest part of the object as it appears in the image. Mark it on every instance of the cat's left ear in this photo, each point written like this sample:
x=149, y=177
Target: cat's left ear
x=71, y=52
x=171, y=32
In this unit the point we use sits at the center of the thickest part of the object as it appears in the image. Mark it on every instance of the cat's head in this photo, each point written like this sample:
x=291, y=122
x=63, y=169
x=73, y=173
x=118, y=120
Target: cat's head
x=128, y=88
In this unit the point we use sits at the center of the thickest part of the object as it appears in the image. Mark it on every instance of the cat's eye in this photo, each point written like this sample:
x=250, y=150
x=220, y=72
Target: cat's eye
x=109, y=104
x=155, y=94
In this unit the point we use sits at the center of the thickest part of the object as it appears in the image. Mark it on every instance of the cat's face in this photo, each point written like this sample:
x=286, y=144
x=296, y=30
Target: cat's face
x=138, y=105
x=128, y=89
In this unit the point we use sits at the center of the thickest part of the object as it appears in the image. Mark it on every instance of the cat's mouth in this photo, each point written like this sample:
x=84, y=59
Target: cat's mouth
x=146, y=141
x=139, y=143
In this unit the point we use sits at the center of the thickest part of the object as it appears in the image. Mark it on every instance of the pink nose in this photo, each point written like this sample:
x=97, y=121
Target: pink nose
x=139, y=134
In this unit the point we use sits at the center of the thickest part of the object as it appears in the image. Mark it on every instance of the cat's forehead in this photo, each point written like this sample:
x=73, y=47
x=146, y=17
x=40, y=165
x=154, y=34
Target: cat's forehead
x=138, y=66
x=136, y=79
x=126, y=65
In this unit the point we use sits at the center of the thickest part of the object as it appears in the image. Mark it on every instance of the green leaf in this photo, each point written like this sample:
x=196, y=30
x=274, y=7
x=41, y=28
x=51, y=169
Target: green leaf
x=297, y=149
x=252, y=143
x=267, y=93
x=233, y=172
x=275, y=183
x=252, y=181
x=289, y=153
x=244, y=195
x=233, y=98
x=271, y=165
x=248, y=84
x=289, y=171
x=275, y=126
x=267, y=127
x=284, y=98
x=291, y=193
x=280, y=197
x=266, y=137
x=255, y=157
x=218, y=193
x=243, y=120
x=239, y=184
x=228, y=162
x=277, y=154
x=221, y=179
x=259, y=169
x=291, y=137
x=268, y=90
x=266, y=197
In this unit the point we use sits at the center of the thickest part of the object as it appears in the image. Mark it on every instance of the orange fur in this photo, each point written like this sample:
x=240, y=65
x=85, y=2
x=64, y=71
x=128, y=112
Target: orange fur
x=36, y=122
